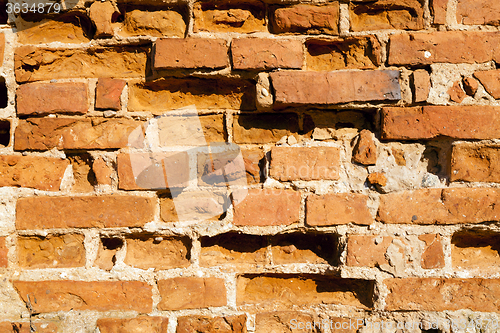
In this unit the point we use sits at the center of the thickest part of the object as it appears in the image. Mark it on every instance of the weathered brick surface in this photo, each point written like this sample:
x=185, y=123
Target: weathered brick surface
x=191, y=53
x=475, y=251
x=438, y=294
x=234, y=249
x=304, y=18
x=142, y=323
x=266, y=53
x=229, y=324
x=438, y=8
x=427, y=122
x=268, y=207
x=108, y=93
x=83, y=212
x=283, y=321
x=433, y=255
x=51, y=251
x=334, y=209
x=101, y=13
x=478, y=12
x=264, y=128
x=440, y=206
x=370, y=251
x=365, y=150
x=43, y=173
x=491, y=81
x=193, y=206
x=73, y=133
x=296, y=87
x=3, y=253
x=2, y=47
x=451, y=47
x=157, y=252
x=312, y=163
x=26, y=327
x=191, y=293
x=46, y=98
x=102, y=171
x=66, y=295
x=421, y=85
x=283, y=291
x=475, y=163
x=158, y=23
x=304, y=248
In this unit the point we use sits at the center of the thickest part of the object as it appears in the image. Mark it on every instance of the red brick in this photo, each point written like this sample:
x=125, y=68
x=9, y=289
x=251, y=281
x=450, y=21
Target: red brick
x=391, y=14
x=286, y=291
x=421, y=84
x=229, y=324
x=365, y=150
x=158, y=252
x=478, y=12
x=102, y=171
x=51, y=296
x=457, y=94
x=427, y=122
x=491, y=81
x=3, y=253
x=334, y=209
x=101, y=15
x=139, y=171
x=438, y=8
x=433, y=255
x=47, y=98
x=108, y=92
x=369, y=251
x=475, y=163
x=268, y=207
x=191, y=53
x=133, y=325
x=440, y=206
x=191, y=293
x=73, y=133
x=42, y=173
x=447, y=46
x=266, y=53
x=470, y=86
x=310, y=19
x=311, y=163
x=436, y=294
x=84, y=212
x=298, y=87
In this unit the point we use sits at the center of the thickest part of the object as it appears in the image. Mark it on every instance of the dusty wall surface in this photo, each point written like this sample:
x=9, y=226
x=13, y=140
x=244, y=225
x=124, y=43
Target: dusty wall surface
x=248, y=166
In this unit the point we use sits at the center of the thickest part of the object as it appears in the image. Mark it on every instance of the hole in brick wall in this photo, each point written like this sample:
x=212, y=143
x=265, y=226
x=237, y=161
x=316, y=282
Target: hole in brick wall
x=329, y=124
x=305, y=248
x=106, y=256
x=431, y=154
x=83, y=174
x=112, y=243
x=4, y=133
x=474, y=249
x=76, y=18
x=431, y=330
x=235, y=242
x=4, y=95
x=233, y=248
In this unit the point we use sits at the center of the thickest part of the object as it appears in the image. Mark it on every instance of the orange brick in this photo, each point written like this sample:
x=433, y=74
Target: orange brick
x=3, y=253
x=427, y=122
x=268, y=207
x=51, y=296
x=40, y=327
x=42, y=173
x=158, y=252
x=2, y=47
x=490, y=81
x=304, y=18
x=108, y=92
x=264, y=128
x=311, y=163
x=191, y=293
x=438, y=8
x=84, y=212
x=368, y=251
x=436, y=294
x=433, y=255
x=140, y=324
x=377, y=15
x=334, y=209
x=266, y=53
x=47, y=98
x=473, y=12
x=475, y=163
x=229, y=324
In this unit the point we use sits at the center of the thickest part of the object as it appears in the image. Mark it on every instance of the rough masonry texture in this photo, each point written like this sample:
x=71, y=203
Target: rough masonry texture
x=250, y=166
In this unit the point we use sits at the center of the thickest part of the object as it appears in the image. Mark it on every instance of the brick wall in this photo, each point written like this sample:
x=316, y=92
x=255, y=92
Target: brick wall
x=250, y=166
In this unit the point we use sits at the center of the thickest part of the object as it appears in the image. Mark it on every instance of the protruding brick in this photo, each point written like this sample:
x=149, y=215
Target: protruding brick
x=457, y=94
x=108, y=92
x=392, y=14
x=472, y=12
x=436, y=294
x=454, y=47
x=191, y=53
x=377, y=178
x=440, y=206
x=101, y=15
x=470, y=86
x=433, y=255
x=475, y=163
x=334, y=209
x=491, y=81
x=311, y=163
x=266, y=53
x=254, y=163
x=427, y=122
x=297, y=87
x=158, y=252
x=228, y=324
x=3, y=253
x=310, y=19
x=46, y=98
x=139, y=324
x=107, y=211
x=65, y=295
x=439, y=8
x=102, y=171
x=268, y=207
x=264, y=128
x=73, y=133
x=43, y=173
x=283, y=291
x=421, y=85
x=191, y=293
x=51, y=251
x=365, y=150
